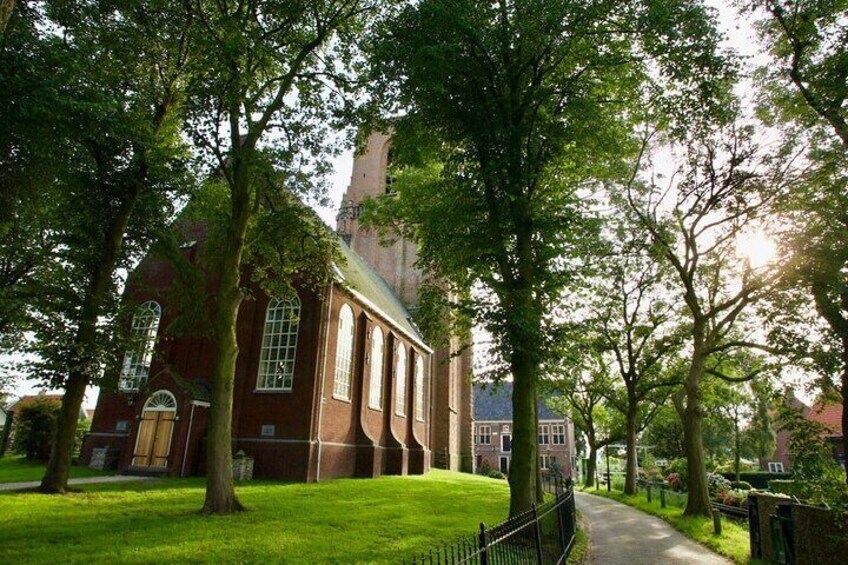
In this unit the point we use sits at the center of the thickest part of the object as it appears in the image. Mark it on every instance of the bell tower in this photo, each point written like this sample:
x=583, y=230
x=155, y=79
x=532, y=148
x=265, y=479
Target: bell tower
x=451, y=404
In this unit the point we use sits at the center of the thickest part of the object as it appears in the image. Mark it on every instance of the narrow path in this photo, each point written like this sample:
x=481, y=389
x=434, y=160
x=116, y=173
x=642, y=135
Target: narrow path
x=82, y=481
x=619, y=534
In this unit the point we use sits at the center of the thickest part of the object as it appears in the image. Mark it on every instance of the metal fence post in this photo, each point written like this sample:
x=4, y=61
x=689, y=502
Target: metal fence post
x=648, y=489
x=662, y=496
x=484, y=547
x=537, y=527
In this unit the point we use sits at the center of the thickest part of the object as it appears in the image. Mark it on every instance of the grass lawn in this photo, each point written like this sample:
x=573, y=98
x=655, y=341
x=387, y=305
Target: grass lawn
x=17, y=469
x=343, y=521
x=734, y=542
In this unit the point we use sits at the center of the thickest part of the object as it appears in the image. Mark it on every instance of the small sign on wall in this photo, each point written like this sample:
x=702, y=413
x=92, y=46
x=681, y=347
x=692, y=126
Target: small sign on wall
x=269, y=430
x=122, y=426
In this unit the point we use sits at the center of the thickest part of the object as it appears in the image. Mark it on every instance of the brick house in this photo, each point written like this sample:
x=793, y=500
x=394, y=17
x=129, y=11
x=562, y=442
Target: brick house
x=829, y=414
x=336, y=382
x=781, y=460
x=493, y=432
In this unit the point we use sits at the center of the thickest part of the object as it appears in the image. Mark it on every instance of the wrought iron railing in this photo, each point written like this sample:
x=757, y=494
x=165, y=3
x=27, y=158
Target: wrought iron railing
x=543, y=535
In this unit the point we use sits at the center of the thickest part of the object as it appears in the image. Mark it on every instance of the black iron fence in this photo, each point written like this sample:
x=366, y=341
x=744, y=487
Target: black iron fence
x=543, y=535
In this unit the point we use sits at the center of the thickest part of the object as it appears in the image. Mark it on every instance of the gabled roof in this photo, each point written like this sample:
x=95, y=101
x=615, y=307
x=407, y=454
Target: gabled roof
x=364, y=282
x=494, y=402
x=828, y=414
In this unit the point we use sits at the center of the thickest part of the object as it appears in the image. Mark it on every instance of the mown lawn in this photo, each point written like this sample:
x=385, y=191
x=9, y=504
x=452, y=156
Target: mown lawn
x=343, y=521
x=17, y=469
x=734, y=541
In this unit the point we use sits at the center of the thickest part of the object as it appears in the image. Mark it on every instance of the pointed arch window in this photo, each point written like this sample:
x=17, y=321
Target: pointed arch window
x=419, y=388
x=137, y=359
x=344, y=354
x=279, y=344
x=375, y=397
x=400, y=371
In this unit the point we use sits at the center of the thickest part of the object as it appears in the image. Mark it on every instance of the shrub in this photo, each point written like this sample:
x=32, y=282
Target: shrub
x=738, y=498
x=678, y=466
x=741, y=485
x=495, y=474
x=717, y=483
x=35, y=426
x=792, y=488
x=674, y=481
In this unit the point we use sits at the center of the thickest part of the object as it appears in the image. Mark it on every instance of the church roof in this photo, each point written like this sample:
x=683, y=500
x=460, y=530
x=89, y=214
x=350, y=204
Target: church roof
x=494, y=403
x=358, y=277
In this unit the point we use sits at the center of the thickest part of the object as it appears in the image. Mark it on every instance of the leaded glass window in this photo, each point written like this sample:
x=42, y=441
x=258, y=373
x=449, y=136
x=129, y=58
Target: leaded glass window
x=137, y=359
x=400, y=372
x=419, y=388
x=279, y=344
x=375, y=398
x=344, y=354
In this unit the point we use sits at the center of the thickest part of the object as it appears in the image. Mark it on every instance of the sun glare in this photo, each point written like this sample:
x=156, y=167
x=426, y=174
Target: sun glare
x=757, y=248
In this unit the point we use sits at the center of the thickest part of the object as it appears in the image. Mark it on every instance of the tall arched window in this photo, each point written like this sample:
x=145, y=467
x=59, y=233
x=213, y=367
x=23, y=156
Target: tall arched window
x=400, y=376
x=279, y=344
x=419, y=388
x=344, y=354
x=137, y=359
x=375, y=398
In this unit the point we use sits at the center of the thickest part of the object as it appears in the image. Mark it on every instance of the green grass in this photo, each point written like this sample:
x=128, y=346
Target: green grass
x=342, y=521
x=581, y=544
x=734, y=541
x=17, y=469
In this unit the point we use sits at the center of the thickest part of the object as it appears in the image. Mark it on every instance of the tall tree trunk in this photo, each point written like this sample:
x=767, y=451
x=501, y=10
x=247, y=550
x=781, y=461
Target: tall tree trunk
x=630, y=475
x=591, y=465
x=540, y=486
x=522, y=469
x=737, y=455
x=56, y=475
x=220, y=492
x=698, y=501
x=6, y=9
x=844, y=389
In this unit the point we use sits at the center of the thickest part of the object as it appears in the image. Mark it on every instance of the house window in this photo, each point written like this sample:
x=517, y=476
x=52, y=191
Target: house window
x=136, y=367
x=558, y=432
x=775, y=467
x=544, y=462
x=400, y=371
x=484, y=435
x=375, y=398
x=544, y=435
x=279, y=344
x=419, y=388
x=344, y=354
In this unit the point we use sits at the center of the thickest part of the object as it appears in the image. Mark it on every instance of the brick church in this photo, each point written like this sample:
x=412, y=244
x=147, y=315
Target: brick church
x=334, y=382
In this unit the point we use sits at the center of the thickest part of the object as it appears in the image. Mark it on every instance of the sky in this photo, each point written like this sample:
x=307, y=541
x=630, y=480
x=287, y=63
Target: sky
x=740, y=36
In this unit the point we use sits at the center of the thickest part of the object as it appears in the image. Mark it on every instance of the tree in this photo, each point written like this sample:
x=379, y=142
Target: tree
x=120, y=86
x=32, y=153
x=636, y=324
x=713, y=198
x=805, y=90
x=266, y=90
x=35, y=428
x=507, y=111
x=581, y=395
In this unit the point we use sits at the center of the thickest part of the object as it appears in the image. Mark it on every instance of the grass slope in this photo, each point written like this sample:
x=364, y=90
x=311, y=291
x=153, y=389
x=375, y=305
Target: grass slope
x=343, y=521
x=734, y=541
x=17, y=469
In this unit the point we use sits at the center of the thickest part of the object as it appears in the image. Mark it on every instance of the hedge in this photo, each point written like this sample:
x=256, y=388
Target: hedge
x=758, y=479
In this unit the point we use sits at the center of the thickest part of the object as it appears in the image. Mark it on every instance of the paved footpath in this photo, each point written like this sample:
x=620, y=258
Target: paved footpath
x=83, y=481
x=621, y=535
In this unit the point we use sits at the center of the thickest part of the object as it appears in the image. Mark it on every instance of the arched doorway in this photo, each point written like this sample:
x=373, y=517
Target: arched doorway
x=153, y=443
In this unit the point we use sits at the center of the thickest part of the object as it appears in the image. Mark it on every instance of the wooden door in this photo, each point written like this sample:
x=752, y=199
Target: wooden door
x=153, y=444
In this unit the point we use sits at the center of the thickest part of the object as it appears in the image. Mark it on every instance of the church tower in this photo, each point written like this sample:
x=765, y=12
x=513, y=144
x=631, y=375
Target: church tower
x=451, y=405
